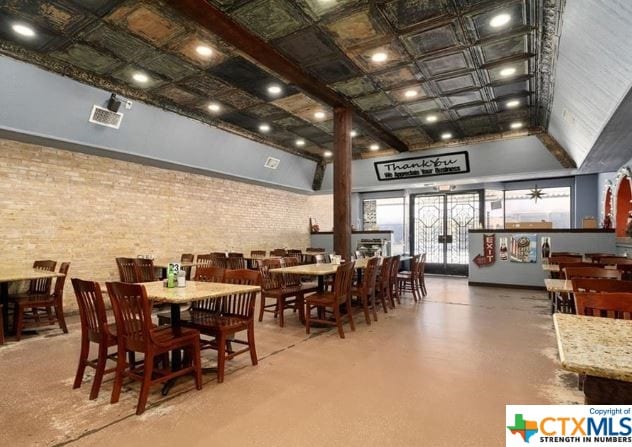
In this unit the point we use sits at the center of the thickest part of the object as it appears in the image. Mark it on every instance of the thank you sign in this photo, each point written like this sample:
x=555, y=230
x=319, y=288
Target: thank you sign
x=431, y=165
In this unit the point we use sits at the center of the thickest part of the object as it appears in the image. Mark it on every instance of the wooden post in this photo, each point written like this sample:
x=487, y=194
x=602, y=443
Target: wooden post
x=342, y=181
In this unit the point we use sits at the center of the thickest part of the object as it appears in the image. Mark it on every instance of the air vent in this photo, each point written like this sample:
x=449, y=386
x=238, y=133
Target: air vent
x=105, y=117
x=272, y=163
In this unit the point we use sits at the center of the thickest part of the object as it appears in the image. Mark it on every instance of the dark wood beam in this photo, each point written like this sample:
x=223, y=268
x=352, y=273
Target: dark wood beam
x=342, y=181
x=232, y=32
x=557, y=150
x=319, y=175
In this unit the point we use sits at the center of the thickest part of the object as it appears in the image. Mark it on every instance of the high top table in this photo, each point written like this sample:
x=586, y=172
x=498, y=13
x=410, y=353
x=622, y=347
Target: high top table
x=600, y=348
x=12, y=274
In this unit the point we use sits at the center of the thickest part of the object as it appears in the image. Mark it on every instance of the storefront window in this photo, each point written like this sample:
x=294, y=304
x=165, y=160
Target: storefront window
x=386, y=214
x=552, y=205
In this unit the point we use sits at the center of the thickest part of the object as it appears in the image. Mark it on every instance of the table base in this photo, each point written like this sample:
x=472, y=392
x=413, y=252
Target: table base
x=601, y=391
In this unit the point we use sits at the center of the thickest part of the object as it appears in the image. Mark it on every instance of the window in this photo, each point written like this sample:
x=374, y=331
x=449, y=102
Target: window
x=386, y=214
x=494, y=209
x=554, y=206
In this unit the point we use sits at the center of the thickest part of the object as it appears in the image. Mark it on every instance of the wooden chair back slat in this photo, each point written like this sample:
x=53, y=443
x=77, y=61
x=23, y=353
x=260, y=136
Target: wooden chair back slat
x=127, y=269
x=289, y=279
x=614, y=260
x=370, y=275
x=278, y=252
x=41, y=286
x=565, y=259
x=601, y=285
x=609, y=305
x=241, y=304
x=591, y=272
x=144, y=270
x=91, y=308
x=314, y=250
x=236, y=263
x=270, y=281
x=208, y=274
x=342, y=282
x=566, y=253
x=257, y=254
x=132, y=313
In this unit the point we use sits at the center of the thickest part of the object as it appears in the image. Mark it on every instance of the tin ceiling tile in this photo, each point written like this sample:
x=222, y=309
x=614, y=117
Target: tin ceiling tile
x=503, y=48
x=307, y=46
x=326, y=126
x=167, y=65
x=205, y=85
x=318, y=8
x=410, y=93
x=521, y=68
x=238, y=99
x=388, y=113
x=311, y=132
x=465, y=97
x=363, y=57
x=120, y=43
x=481, y=20
x=471, y=110
x=296, y=103
x=202, y=105
x=446, y=64
x=398, y=123
x=437, y=116
x=267, y=112
x=427, y=41
x=125, y=74
x=456, y=83
x=514, y=88
x=412, y=135
x=238, y=71
x=396, y=77
x=147, y=22
x=242, y=120
x=270, y=19
x=98, y=7
x=405, y=13
x=178, y=95
x=87, y=58
x=355, y=29
x=44, y=40
x=187, y=48
x=423, y=106
x=334, y=70
x=479, y=125
x=290, y=122
x=372, y=102
x=54, y=15
x=355, y=87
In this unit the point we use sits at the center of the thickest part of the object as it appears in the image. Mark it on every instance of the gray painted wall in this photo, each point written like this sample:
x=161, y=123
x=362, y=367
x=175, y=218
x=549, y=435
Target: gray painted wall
x=507, y=272
x=517, y=158
x=586, y=198
x=45, y=105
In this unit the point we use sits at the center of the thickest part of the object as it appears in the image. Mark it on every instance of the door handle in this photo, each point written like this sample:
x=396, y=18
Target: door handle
x=441, y=239
x=448, y=238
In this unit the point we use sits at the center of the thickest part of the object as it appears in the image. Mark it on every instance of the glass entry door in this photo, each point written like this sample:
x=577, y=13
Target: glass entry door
x=440, y=224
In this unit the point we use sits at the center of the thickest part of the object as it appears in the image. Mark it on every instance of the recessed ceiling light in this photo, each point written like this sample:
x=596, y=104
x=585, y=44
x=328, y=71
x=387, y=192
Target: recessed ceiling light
x=214, y=107
x=446, y=136
x=431, y=118
x=203, y=50
x=380, y=56
x=264, y=128
x=410, y=93
x=513, y=103
x=500, y=20
x=274, y=89
x=516, y=125
x=327, y=154
x=374, y=147
x=23, y=30
x=300, y=142
x=140, y=77
x=353, y=134
x=507, y=71
x=319, y=115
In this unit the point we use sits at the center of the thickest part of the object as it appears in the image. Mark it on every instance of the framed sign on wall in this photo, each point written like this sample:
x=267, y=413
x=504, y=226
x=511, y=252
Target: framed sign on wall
x=427, y=166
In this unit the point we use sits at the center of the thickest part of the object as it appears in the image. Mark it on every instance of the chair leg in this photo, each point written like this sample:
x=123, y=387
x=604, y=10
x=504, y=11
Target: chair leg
x=197, y=363
x=308, y=312
x=98, y=376
x=251, y=344
x=373, y=306
x=350, y=313
x=144, y=389
x=365, y=308
x=118, y=376
x=59, y=313
x=263, y=306
x=221, y=357
x=83, y=358
x=341, y=331
x=281, y=310
x=19, y=321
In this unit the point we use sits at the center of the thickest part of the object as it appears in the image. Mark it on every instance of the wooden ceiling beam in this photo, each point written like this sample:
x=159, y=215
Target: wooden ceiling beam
x=233, y=33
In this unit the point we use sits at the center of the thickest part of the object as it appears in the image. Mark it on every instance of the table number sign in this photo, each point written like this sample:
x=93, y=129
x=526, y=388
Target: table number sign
x=489, y=251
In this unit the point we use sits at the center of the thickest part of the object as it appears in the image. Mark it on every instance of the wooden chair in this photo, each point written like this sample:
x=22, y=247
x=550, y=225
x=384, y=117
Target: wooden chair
x=258, y=254
x=366, y=290
x=187, y=257
x=394, y=284
x=204, y=260
x=314, y=250
x=601, y=285
x=135, y=333
x=421, y=275
x=566, y=253
x=594, y=256
x=235, y=314
x=626, y=271
x=565, y=259
x=280, y=252
x=127, y=269
x=219, y=259
x=591, y=272
x=614, y=260
x=340, y=295
x=42, y=300
x=609, y=305
x=408, y=281
x=1, y=325
x=94, y=329
x=236, y=262
x=382, y=285
x=144, y=270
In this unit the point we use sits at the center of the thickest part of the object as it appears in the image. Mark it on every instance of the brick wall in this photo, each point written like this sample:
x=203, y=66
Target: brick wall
x=88, y=210
x=322, y=209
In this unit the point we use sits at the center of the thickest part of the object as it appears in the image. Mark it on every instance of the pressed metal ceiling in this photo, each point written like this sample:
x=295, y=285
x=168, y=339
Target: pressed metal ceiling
x=442, y=73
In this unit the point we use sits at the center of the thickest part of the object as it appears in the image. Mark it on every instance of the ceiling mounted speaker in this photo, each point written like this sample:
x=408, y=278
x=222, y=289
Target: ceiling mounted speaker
x=113, y=103
x=105, y=117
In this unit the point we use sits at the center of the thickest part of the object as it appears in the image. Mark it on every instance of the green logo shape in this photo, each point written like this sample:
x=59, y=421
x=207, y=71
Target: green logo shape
x=524, y=428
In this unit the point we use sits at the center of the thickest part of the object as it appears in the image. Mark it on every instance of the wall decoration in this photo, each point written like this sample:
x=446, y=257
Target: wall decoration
x=444, y=164
x=536, y=193
x=504, y=250
x=524, y=248
x=489, y=251
x=545, y=247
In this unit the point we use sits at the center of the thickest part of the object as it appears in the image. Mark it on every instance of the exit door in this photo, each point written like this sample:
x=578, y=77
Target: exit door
x=440, y=224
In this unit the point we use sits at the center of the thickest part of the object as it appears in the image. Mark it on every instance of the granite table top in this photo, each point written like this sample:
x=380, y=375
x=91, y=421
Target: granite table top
x=595, y=346
x=9, y=274
x=194, y=291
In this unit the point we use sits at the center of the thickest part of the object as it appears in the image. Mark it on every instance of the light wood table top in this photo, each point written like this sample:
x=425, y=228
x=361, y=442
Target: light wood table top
x=558, y=285
x=9, y=274
x=309, y=269
x=595, y=346
x=556, y=267
x=194, y=291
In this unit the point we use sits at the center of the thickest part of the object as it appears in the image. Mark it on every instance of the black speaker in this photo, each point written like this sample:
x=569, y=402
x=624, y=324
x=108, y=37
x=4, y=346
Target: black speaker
x=113, y=103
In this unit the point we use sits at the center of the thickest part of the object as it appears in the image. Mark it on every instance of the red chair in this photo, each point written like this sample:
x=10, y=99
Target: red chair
x=135, y=333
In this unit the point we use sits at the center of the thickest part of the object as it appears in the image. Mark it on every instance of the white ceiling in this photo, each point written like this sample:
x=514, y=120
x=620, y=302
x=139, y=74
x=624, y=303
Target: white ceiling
x=593, y=71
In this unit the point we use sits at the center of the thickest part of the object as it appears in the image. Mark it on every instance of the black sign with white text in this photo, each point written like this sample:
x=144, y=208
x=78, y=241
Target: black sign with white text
x=431, y=165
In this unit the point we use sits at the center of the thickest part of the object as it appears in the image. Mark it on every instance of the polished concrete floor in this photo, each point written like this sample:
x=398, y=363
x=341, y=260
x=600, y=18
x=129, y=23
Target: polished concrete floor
x=437, y=373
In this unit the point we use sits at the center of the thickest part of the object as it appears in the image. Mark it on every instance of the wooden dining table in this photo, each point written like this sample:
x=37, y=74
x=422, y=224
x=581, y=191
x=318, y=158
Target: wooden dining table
x=194, y=291
x=9, y=274
x=601, y=349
